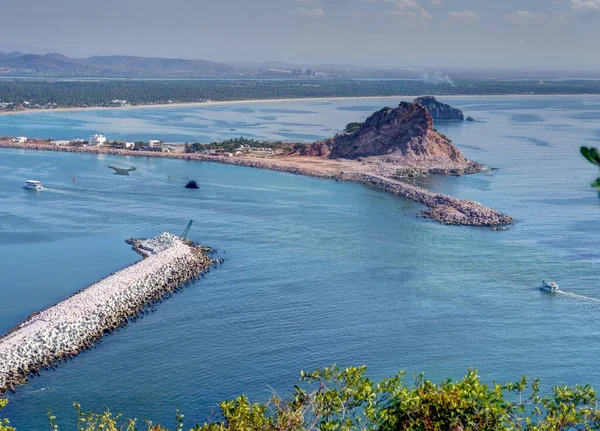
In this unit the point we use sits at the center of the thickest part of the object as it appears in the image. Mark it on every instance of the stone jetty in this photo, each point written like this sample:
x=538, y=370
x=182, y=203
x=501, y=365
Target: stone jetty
x=60, y=332
x=442, y=208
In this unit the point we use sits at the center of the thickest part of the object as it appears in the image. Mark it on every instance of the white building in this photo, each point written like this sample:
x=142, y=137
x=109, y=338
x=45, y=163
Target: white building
x=60, y=142
x=119, y=102
x=153, y=143
x=21, y=139
x=97, y=140
x=129, y=145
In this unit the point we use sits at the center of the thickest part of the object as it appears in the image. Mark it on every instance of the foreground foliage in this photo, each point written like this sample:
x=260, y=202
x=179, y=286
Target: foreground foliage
x=593, y=156
x=4, y=423
x=335, y=399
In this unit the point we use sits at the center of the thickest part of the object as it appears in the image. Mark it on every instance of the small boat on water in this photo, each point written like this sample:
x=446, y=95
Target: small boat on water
x=33, y=185
x=549, y=286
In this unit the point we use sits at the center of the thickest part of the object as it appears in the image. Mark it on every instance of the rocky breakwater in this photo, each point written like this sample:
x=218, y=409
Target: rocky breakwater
x=62, y=331
x=442, y=208
x=401, y=142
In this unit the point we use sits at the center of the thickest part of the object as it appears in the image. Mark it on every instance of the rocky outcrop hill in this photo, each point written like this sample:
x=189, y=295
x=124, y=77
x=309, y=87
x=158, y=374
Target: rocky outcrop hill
x=403, y=136
x=440, y=111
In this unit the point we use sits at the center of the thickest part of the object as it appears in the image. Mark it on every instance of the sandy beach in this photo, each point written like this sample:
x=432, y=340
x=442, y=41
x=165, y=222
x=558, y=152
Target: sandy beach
x=289, y=100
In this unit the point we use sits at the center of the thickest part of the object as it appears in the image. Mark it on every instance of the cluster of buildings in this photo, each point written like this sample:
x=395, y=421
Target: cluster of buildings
x=247, y=149
x=98, y=140
x=11, y=106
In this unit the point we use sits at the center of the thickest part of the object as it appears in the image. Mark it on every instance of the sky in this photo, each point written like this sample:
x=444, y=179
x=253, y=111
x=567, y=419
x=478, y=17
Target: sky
x=511, y=34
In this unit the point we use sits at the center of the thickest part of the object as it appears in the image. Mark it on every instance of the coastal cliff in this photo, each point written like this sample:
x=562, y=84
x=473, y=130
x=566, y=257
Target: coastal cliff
x=402, y=137
x=440, y=111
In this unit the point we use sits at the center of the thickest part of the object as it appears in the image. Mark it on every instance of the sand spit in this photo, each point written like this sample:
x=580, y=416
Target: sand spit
x=288, y=100
x=62, y=331
x=442, y=208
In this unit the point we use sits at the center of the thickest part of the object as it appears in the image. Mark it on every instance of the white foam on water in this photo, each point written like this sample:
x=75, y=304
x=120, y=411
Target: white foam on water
x=576, y=296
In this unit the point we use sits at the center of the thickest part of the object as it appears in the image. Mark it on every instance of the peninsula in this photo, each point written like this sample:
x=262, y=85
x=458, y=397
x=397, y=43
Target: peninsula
x=392, y=144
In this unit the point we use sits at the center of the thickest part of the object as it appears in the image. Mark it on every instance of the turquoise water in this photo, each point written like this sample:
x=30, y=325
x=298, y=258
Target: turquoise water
x=317, y=272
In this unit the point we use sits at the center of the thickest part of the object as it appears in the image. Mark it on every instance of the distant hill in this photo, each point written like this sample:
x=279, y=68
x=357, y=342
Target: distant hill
x=55, y=64
x=10, y=54
x=124, y=66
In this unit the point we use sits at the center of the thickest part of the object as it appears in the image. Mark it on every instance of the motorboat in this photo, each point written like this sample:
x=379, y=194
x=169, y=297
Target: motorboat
x=549, y=286
x=33, y=185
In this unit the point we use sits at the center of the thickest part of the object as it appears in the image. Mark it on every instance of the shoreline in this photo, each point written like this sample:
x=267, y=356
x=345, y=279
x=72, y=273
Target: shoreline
x=285, y=100
x=442, y=208
x=61, y=331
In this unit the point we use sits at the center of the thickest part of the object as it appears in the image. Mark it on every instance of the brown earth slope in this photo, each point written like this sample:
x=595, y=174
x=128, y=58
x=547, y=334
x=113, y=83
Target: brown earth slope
x=402, y=136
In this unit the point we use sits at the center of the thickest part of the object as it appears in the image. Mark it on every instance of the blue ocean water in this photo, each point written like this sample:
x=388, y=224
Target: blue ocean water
x=317, y=272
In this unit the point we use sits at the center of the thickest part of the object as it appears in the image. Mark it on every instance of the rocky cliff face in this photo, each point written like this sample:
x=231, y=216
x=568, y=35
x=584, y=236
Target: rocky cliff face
x=318, y=149
x=404, y=135
x=440, y=111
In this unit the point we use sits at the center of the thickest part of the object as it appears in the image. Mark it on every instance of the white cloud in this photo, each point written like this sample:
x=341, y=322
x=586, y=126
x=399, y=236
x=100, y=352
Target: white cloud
x=586, y=6
x=465, y=15
x=525, y=15
x=310, y=12
x=410, y=8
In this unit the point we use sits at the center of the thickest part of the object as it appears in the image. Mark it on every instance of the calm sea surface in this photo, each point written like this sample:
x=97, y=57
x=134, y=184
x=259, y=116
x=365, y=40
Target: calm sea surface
x=317, y=272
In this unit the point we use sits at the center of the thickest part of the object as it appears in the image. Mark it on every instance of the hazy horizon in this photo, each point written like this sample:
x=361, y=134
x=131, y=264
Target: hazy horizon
x=525, y=34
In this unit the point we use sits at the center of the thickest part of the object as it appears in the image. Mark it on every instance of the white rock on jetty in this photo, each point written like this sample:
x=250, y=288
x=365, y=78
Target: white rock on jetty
x=70, y=326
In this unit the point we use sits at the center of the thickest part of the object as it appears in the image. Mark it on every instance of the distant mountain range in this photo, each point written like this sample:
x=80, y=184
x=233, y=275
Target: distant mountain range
x=54, y=64
x=124, y=66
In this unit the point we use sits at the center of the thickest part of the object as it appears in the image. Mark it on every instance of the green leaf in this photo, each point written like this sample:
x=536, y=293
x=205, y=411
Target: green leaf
x=591, y=154
x=595, y=155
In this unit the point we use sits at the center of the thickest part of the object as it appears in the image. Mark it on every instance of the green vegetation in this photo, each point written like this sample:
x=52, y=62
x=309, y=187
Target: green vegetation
x=232, y=145
x=85, y=93
x=335, y=399
x=352, y=127
x=593, y=156
x=4, y=423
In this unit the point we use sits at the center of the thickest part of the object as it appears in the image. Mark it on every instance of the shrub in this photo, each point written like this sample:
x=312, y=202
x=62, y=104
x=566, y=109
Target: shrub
x=336, y=399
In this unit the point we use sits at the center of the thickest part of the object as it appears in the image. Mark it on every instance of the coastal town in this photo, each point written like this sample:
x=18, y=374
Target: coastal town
x=97, y=140
x=243, y=147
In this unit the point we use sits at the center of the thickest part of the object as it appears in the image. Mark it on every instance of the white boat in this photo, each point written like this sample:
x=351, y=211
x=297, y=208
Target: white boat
x=33, y=185
x=549, y=286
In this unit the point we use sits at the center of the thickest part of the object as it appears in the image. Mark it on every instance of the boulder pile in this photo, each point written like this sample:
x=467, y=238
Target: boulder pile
x=62, y=331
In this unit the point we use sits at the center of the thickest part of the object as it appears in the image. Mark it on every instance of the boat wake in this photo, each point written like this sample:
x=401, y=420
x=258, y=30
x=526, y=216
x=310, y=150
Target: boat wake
x=577, y=297
x=587, y=303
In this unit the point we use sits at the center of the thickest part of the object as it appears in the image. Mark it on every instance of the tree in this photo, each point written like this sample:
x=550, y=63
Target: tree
x=345, y=399
x=352, y=127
